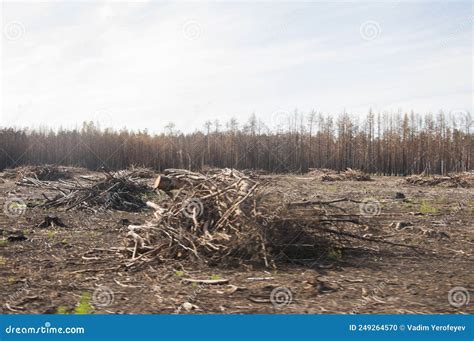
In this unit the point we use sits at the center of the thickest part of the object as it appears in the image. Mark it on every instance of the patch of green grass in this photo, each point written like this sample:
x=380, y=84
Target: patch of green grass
x=3, y=242
x=51, y=234
x=426, y=208
x=331, y=188
x=62, y=310
x=84, y=306
x=215, y=277
x=471, y=206
x=335, y=254
x=179, y=273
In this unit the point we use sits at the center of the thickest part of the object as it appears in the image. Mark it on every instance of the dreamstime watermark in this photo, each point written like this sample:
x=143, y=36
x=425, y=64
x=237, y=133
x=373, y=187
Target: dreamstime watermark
x=103, y=118
x=14, y=30
x=462, y=119
x=373, y=296
x=281, y=296
x=14, y=207
x=19, y=293
x=280, y=119
x=192, y=30
x=370, y=207
x=103, y=296
x=287, y=199
x=193, y=208
x=458, y=296
x=46, y=329
x=370, y=30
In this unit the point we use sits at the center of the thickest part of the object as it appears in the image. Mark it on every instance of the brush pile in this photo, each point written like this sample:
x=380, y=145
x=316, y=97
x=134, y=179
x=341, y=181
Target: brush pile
x=118, y=191
x=465, y=180
x=347, y=175
x=139, y=172
x=206, y=216
x=42, y=173
x=226, y=216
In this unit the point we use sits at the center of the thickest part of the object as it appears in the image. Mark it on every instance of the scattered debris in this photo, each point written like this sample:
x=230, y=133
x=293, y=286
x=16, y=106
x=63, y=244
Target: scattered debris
x=347, y=175
x=189, y=306
x=465, y=179
x=51, y=221
x=15, y=236
x=322, y=287
x=400, y=225
x=400, y=195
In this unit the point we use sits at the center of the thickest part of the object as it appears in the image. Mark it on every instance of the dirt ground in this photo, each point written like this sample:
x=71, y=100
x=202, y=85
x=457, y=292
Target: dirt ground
x=58, y=269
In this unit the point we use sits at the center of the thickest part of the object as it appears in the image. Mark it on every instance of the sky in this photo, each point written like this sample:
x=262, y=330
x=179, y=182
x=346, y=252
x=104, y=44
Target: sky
x=143, y=64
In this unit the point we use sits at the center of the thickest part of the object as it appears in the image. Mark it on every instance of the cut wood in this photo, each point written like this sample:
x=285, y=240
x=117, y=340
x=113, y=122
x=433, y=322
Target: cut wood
x=164, y=183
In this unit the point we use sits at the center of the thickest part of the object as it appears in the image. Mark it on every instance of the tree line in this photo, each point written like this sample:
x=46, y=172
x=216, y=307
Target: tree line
x=388, y=144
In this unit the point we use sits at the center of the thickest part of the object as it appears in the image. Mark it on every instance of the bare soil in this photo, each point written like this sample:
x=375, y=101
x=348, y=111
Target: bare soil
x=55, y=266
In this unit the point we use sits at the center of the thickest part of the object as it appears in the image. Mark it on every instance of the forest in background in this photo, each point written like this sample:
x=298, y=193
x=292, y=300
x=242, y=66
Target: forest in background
x=386, y=144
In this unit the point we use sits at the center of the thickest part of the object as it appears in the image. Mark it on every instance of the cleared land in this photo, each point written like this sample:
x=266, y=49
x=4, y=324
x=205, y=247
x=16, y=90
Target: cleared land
x=52, y=269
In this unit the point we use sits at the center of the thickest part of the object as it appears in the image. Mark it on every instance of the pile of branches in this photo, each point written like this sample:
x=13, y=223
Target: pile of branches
x=465, y=180
x=139, y=172
x=206, y=216
x=226, y=216
x=42, y=173
x=347, y=175
x=116, y=191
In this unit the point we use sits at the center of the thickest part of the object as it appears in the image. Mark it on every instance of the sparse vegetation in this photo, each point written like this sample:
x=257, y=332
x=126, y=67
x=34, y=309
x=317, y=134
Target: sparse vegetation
x=427, y=208
x=84, y=306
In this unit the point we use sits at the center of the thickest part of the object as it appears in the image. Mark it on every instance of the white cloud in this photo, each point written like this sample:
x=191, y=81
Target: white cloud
x=134, y=61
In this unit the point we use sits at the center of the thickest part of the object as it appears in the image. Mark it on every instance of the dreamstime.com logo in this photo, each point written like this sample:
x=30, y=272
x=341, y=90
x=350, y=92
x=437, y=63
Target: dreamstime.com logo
x=46, y=329
x=14, y=207
x=192, y=30
x=458, y=296
x=280, y=119
x=103, y=296
x=193, y=208
x=370, y=207
x=462, y=119
x=14, y=30
x=281, y=297
x=370, y=30
x=103, y=118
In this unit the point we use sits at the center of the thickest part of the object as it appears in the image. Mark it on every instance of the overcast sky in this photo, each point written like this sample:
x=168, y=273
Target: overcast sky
x=141, y=64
